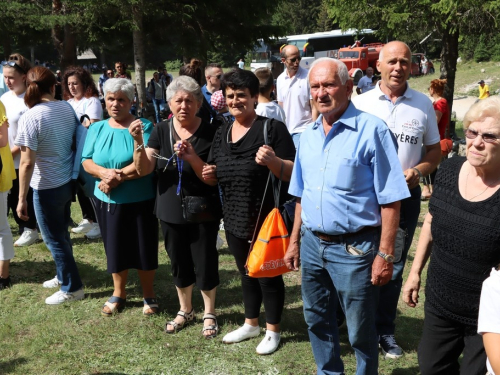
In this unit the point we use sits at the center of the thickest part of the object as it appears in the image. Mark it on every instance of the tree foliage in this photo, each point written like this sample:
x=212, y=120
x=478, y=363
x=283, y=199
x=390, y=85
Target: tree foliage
x=411, y=20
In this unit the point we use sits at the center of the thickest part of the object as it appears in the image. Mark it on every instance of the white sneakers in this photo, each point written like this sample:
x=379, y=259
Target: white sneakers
x=52, y=283
x=267, y=346
x=241, y=334
x=84, y=226
x=94, y=233
x=61, y=297
x=91, y=230
x=29, y=237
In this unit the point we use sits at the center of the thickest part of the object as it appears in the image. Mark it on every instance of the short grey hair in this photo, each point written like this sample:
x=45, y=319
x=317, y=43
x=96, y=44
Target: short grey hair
x=185, y=84
x=341, y=68
x=124, y=85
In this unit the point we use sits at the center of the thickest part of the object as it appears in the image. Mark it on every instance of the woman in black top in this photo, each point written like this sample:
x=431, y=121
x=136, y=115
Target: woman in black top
x=462, y=230
x=190, y=246
x=240, y=163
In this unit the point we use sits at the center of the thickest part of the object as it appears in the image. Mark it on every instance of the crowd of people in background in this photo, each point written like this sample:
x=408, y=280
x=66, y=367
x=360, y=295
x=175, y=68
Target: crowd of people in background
x=207, y=153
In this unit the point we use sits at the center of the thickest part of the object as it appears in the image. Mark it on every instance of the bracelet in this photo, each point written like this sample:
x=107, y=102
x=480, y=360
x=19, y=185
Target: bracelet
x=419, y=173
x=141, y=146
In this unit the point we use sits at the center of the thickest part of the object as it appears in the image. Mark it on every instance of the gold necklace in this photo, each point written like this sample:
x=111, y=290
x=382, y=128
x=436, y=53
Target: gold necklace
x=475, y=196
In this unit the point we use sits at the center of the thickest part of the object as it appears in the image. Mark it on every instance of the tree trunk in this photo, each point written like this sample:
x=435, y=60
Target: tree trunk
x=139, y=55
x=64, y=39
x=449, y=56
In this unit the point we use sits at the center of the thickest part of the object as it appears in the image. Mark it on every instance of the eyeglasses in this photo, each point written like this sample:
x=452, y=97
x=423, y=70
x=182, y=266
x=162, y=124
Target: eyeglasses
x=294, y=59
x=13, y=64
x=218, y=76
x=487, y=137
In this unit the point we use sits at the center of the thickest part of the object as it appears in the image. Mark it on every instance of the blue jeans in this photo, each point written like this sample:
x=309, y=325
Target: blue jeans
x=159, y=105
x=330, y=271
x=389, y=293
x=52, y=209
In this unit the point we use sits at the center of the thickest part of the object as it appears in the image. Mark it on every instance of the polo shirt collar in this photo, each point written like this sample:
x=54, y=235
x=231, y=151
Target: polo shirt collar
x=347, y=119
x=299, y=74
x=407, y=94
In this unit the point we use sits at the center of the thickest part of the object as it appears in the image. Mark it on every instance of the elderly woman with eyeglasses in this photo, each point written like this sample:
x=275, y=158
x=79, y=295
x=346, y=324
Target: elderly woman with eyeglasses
x=124, y=200
x=178, y=149
x=462, y=233
x=14, y=74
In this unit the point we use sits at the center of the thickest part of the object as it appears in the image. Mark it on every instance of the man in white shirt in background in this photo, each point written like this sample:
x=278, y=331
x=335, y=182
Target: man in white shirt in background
x=294, y=94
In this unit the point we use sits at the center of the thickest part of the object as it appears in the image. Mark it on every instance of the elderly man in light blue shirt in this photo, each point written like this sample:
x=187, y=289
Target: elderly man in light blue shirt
x=349, y=182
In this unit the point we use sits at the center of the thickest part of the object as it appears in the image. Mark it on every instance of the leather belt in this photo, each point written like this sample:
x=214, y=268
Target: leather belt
x=341, y=237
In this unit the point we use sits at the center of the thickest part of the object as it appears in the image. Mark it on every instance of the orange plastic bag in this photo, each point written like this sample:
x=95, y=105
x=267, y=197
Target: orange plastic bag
x=269, y=248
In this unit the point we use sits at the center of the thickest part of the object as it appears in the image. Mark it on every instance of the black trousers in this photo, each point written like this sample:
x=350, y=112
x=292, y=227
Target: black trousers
x=88, y=211
x=442, y=343
x=193, y=253
x=270, y=290
x=12, y=201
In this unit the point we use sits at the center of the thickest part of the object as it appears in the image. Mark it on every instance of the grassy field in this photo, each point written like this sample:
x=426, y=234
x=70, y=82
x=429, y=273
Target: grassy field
x=468, y=75
x=75, y=338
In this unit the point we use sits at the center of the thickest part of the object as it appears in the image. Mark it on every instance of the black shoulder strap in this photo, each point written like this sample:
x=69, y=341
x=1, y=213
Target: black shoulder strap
x=276, y=184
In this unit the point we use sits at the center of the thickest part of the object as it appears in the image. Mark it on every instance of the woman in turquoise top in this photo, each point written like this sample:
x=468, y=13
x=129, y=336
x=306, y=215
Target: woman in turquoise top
x=124, y=201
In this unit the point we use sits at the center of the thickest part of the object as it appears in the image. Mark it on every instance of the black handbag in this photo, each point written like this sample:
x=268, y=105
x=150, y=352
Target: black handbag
x=201, y=209
x=197, y=209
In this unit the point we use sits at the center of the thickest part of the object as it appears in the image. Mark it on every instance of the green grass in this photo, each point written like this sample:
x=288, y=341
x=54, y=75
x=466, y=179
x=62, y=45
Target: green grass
x=75, y=339
x=467, y=77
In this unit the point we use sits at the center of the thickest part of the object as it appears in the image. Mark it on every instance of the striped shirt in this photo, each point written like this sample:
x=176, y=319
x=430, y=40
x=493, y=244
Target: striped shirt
x=48, y=129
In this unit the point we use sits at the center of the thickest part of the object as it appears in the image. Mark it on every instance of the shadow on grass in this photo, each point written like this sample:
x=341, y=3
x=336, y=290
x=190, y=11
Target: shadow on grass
x=406, y=371
x=10, y=366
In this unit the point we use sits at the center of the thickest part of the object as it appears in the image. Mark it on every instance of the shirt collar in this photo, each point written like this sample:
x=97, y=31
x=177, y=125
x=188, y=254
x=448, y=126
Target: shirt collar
x=407, y=94
x=347, y=119
x=299, y=74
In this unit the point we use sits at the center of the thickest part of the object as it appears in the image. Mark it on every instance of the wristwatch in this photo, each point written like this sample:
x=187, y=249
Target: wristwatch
x=387, y=257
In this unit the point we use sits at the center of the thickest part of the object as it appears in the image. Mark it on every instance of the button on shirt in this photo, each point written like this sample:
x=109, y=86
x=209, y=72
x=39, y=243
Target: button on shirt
x=345, y=176
x=411, y=119
x=295, y=95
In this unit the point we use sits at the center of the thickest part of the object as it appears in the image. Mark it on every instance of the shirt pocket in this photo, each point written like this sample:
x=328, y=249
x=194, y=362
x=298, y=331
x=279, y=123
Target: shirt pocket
x=342, y=174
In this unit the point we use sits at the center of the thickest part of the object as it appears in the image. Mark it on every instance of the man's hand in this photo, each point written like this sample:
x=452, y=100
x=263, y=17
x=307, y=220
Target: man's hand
x=381, y=271
x=292, y=256
x=412, y=178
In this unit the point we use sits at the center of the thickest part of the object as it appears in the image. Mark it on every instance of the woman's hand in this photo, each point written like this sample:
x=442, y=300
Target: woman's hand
x=104, y=187
x=265, y=156
x=185, y=150
x=410, y=290
x=209, y=173
x=136, y=128
x=22, y=209
x=112, y=177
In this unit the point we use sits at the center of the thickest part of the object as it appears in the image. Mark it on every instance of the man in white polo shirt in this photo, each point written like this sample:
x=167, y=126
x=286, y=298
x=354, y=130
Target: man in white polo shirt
x=411, y=117
x=294, y=94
